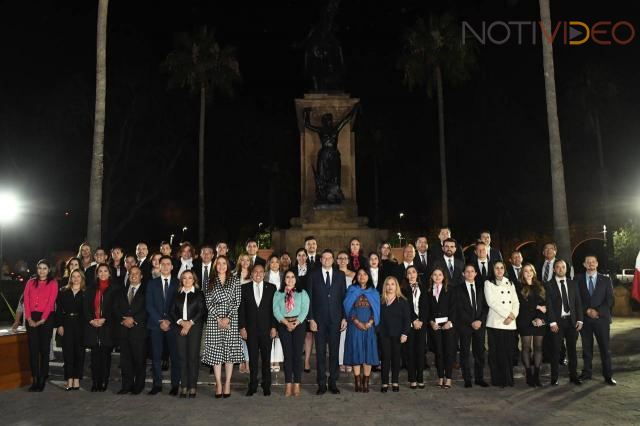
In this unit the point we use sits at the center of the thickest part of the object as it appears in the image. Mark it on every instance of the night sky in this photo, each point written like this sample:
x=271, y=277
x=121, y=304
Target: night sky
x=496, y=125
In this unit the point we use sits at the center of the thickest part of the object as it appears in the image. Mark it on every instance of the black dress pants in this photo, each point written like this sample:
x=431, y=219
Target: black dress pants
x=600, y=328
x=414, y=350
x=189, y=352
x=391, y=353
x=73, y=348
x=100, y=364
x=472, y=342
x=292, y=344
x=259, y=345
x=133, y=361
x=445, y=345
x=568, y=332
x=39, y=346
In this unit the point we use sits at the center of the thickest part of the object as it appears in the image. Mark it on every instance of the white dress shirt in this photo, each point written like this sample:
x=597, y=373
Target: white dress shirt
x=162, y=278
x=486, y=265
x=406, y=265
x=274, y=278
x=208, y=269
x=257, y=291
x=184, y=305
x=563, y=313
x=302, y=270
x=374, y=276
x=416, y=298
x=324, y=274
x=312, y=257
x=475, y=290
x=185, y=265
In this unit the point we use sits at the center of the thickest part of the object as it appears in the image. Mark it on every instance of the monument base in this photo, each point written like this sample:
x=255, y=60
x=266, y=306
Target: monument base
x=332, y=226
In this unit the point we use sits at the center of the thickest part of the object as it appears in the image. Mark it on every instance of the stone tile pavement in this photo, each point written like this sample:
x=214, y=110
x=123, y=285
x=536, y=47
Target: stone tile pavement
x=591, y=404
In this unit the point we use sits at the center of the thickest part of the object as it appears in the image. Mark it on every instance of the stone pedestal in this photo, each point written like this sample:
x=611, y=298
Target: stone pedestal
x=332, y=225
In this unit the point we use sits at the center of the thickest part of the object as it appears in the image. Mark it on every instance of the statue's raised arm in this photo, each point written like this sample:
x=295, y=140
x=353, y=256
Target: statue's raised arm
x=307, y=121
x=348, y=117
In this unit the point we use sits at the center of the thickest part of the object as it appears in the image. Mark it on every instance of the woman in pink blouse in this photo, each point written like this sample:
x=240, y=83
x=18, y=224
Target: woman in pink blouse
x=40, y=294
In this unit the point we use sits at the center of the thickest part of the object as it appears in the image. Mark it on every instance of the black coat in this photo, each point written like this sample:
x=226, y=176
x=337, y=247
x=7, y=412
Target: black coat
x=423, y=302
x=325, y=304
x=445, y=306
x=465, y=313
x=196, y=307
x=602, y=298
x=69, y=308
x=528, y=312
x=554, y=301
x=137, y=310
x=458, y=269
x=395, y=319
x=254, y=318
x=99, y=336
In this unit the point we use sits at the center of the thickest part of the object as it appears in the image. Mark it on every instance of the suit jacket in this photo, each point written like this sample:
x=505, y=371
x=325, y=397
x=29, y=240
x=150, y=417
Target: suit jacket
x=602, y=298
x=325, y=303
x=479, y=278
x=90, y=276
x=459, y=254
x=395, y=319
x=511, y=273
x=423, y=271
x=401, y=272
x=257, y=319
x=145, y=267
x=114, y=274
x=493, y=254
x=465, y=313
x=316, y=262
x=458, y=268
x=554, y=301
x=137, y=310
x=445, y=306
x=197, y=269
x=98, y=336
x=423, y=302
x=541, y=268
x=260, y=261
x=159, y=306
x=196, y=307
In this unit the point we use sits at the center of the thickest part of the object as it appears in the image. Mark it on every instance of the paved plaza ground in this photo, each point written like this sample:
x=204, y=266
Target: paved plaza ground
x=592, y=404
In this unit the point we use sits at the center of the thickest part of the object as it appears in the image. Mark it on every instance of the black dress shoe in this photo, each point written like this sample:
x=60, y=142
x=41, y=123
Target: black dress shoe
x=564, y=361
x=482, y=383
x=94, y=387
x=575, y=381
x=467, y=384
x=584, y=377
x=413, y=386
x=218, y=395
x=321, y=390
x=192, y=395
x=226, y=395
x=610, y=381
x=266, y=391
x=395, y=388
x=136, y=392
x=334, y=390
x=122, y=392
x=174, y=390
x=250, y=392
x=307, y=370
x=154, y=390
x=554, y=382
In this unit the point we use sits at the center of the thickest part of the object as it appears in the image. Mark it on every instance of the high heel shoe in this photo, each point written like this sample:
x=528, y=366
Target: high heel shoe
x=384, y=388
x=395, y=388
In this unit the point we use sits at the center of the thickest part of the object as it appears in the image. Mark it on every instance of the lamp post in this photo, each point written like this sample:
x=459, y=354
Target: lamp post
x=8, y=212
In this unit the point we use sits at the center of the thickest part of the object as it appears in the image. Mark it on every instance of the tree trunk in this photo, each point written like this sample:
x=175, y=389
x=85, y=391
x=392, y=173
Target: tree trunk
x=559, y=194
x=201, y=199
x=443, y=154
x=94, y=225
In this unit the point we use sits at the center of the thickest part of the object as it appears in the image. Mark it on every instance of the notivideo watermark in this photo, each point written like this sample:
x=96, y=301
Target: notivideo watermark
x=570, y=33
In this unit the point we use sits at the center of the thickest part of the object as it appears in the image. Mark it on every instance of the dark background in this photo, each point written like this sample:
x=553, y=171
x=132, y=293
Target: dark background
x=497, y=140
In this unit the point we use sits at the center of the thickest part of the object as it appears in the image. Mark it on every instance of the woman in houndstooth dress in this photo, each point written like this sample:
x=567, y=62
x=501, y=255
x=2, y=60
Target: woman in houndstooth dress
x=222, y=338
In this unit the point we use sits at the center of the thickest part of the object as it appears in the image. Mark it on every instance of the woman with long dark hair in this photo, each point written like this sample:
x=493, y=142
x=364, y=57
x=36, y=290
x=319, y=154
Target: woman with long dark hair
x=290, y=308
x=69, y=318
x=441, y=314
x=532, y=322
x=356, y=259
x=502, y=298
x=98, y=317
x=418, y=296
x=362, y=308
x=39, y=298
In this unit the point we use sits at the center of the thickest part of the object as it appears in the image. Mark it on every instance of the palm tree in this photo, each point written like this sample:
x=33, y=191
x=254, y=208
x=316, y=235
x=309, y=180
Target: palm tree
x=559, y=194
x=94, y=220
x=433, y=53
x=201, y=65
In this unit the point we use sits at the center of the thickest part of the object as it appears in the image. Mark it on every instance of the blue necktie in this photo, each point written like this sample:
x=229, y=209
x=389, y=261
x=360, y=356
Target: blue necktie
x=328, y=280
x=591, y=287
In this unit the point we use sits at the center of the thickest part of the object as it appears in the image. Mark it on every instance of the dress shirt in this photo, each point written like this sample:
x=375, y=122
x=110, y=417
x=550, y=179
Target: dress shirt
x=486, y=265
x=324, y=275
x=563, y=312
x=406, y=265
x=450, y=262
x=550, y=270
x=302, y=270
x=374, y=276
x=415, y=291
x=208, y=269
x=274, y=278
x=135, y=289
x=437, y=288
x=422, y=258
x=312, y=257
x=168, y=278
x=475, y=290
x=257, y=292
x=517, y=270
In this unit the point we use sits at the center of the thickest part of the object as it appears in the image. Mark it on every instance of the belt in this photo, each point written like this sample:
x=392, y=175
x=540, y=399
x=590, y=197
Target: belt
x=566, y=316
x=72, y=314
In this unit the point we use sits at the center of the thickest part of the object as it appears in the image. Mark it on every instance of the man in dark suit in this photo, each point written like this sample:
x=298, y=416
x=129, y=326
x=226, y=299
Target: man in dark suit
x=99, y=256
x=311, y=246
x=327, y=287
x=143, y=261
x=160, y=294
x=422, y=260
x=564, y=311
x=444, y=234
x=202, y=265
x=514, y=270
x=252, y=251
x=408, y=257
x=131, y=314
x=492, y=252
x=545, y=268
x=482, y=263
x=452, y=265
x=222, y=249
x=258, y=327
x=471, y=316
x=596, y=296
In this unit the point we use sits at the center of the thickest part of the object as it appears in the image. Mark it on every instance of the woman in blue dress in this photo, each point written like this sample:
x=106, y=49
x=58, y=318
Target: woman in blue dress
x=362, y=307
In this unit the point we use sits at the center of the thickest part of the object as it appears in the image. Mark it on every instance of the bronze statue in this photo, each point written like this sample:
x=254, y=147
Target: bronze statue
x=327, y=171
x=323, y=61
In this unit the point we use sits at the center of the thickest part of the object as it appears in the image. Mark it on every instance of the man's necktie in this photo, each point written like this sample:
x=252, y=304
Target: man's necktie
x=545, y=271
x=473, y=298
x=205, y=277
x=591, y=286
x=166, y=288
x=131, y=294
x=327, y=282
x=483, y=270
x=424, y=260
x=565, y=297
x=451, y=267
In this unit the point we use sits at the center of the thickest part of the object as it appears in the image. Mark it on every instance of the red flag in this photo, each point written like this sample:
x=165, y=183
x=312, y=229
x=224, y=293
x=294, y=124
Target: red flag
x=635, y=288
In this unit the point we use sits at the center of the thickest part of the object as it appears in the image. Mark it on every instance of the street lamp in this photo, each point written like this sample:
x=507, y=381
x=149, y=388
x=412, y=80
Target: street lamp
x=9, y=210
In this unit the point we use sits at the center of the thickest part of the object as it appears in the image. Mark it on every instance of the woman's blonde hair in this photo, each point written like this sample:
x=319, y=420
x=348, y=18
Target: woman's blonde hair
x=195, y=279
x=399, y=294
x=83, y=280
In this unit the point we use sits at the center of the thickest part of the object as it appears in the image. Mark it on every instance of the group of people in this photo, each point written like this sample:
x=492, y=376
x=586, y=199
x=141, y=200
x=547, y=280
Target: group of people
x=369, y=312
